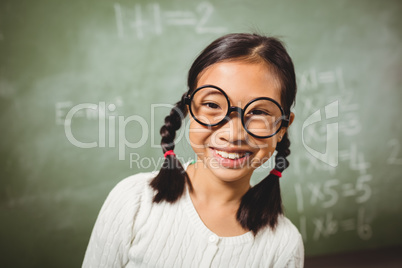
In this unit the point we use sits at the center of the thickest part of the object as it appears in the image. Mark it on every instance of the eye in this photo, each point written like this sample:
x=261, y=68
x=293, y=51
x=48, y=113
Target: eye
x=259, y=112
x=211, y=105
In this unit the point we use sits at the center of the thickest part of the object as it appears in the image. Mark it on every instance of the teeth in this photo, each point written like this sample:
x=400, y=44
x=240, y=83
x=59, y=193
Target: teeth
x=229, y=155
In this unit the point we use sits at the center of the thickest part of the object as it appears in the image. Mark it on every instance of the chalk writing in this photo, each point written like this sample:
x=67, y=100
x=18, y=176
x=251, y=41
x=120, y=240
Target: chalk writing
x=395, y=148
x=153, y=19
x=332, y=189
x=63, y=107
x=356, y=159
x=324, y=226
x=327, y=193
x=313, y=80
x=328, y=225
x=350, y=125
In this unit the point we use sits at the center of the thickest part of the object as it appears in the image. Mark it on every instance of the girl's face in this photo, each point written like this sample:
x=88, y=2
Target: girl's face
x=227, y=151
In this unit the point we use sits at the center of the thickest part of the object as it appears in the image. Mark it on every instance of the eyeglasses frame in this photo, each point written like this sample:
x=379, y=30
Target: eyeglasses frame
x=240, y=111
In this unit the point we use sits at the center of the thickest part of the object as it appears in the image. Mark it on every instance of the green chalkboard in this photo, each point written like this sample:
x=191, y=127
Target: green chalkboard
x=85, y=84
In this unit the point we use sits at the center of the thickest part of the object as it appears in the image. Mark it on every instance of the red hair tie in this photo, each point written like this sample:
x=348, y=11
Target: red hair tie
x=170, y=152
x=276, y=173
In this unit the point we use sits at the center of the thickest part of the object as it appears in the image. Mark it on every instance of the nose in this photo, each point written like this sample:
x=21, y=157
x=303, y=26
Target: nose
x=232, y=130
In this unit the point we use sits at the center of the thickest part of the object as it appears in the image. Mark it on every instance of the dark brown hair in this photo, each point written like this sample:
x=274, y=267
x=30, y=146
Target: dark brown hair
x=262, y=204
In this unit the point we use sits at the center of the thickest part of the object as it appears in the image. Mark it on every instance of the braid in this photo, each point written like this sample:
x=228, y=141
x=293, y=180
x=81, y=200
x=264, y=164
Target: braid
x=172, y=124
x=281, y=162
x=262, y=204
x=170, y=181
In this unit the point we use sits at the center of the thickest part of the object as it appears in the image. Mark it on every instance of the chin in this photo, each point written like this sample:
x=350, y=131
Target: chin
x=230, y=174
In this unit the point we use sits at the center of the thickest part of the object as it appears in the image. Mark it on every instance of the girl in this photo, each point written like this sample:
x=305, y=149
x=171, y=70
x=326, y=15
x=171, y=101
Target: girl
x=206, y=214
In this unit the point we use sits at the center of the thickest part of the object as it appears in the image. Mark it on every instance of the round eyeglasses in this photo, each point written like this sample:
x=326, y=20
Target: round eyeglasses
x=262, y=117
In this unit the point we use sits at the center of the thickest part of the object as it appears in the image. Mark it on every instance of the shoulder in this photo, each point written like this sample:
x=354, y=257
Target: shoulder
x=285, y=233
x=129, y=192
x=290, y=247
x=286, y=229
x=112, y=233
x=287, y=242
x=134, y=183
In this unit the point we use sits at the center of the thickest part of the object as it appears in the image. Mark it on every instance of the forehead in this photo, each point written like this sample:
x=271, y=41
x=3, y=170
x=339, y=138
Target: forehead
x=242, y=81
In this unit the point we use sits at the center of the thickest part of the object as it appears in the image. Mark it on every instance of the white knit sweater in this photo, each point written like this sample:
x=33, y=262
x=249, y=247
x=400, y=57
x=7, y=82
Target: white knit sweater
x=131, y=231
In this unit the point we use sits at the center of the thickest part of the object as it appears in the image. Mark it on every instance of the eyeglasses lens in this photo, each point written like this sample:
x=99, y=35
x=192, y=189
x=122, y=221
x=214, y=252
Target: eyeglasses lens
x=209, y=106
x=262, y=118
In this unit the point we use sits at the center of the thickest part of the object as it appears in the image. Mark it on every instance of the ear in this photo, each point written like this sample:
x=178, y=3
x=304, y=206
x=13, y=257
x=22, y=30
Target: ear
x=291, y=118
x=284, y=129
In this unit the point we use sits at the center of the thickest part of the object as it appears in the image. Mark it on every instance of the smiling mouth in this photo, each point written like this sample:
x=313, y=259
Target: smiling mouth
x=232, y=155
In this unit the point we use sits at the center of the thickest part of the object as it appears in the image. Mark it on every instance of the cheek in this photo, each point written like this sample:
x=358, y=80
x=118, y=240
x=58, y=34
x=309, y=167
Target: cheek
x=263, y=145
x=266, y=149
x=198, y=135
x=266, y=153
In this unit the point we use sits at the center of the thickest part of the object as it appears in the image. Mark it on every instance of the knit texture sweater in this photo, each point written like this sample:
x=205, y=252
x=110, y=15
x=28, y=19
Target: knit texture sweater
x=131, y=231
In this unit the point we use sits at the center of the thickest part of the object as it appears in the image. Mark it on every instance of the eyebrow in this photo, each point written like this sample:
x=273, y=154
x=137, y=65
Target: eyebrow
x=211, y=91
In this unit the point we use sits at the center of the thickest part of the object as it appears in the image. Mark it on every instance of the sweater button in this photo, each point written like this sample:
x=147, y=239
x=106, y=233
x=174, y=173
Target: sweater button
x=213, y=239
